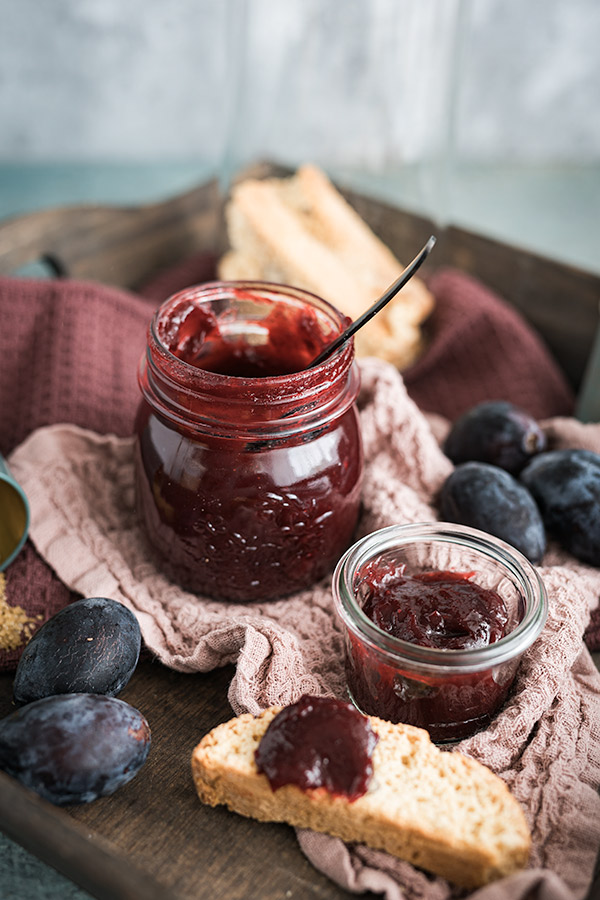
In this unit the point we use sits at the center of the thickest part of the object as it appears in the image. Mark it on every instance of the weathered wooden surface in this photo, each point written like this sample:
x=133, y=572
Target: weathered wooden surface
x=126, y=246
x=561, y=302
x=153, y=838
x=114, y=245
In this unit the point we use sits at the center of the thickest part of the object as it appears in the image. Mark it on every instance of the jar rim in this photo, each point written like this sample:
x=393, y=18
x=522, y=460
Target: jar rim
x=211, y=289
x=257, y=408
x=432, y=658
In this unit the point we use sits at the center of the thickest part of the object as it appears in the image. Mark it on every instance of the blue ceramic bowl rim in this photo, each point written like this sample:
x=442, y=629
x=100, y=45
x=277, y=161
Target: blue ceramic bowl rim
x=6, y=476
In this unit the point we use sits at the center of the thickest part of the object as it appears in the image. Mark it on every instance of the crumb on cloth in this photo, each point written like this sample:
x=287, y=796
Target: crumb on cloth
x=16, y=625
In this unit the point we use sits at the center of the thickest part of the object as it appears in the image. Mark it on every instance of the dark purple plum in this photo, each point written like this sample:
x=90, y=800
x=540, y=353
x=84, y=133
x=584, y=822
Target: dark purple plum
x=495, y=432
x=566, y=487
x=74, y=748
x=486, y=497
x=91, y=646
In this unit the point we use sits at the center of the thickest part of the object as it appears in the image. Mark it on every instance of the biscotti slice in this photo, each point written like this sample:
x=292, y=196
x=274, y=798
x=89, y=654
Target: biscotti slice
x=301, y=231
x=439, y=810
x=334, y=221
x=264, y=229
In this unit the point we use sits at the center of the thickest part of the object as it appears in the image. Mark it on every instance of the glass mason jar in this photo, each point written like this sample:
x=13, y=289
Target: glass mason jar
x=248, y=464
x=451, y=692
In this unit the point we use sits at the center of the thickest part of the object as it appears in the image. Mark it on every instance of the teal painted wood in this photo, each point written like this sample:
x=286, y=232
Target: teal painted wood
x=24, y=877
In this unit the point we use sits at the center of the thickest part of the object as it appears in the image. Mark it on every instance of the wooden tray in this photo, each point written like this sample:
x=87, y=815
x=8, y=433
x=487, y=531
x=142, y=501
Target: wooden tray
x=125, y=246
x=153, y=839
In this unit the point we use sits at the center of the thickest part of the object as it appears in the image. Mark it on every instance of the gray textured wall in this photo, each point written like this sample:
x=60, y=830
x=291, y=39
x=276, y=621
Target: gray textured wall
x=360, y=83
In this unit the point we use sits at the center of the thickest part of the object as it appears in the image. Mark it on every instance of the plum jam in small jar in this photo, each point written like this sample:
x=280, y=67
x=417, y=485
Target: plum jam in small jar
x=248, y=463
x=436, y=618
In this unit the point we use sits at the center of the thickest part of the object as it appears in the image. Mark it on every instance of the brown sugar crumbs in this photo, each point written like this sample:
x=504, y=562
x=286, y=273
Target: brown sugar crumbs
x=16, y=625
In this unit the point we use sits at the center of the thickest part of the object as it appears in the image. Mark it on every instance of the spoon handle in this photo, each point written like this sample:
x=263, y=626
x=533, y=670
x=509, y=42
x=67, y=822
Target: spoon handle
x=385, y=298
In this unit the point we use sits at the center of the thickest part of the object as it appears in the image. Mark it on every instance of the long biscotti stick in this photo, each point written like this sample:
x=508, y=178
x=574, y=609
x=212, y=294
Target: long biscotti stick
x=441, y=811
x=265, y=227
x=339, y=225
x=301, y=231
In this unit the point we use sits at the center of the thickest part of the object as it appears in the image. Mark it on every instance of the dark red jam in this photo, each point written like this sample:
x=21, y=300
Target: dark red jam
x=319, y=742
x=287, y=340
x=433, y=609
x=440, y=610
x=248, y=465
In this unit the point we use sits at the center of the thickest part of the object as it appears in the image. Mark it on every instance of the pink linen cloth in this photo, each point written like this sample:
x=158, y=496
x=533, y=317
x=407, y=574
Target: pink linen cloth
x=545, y=743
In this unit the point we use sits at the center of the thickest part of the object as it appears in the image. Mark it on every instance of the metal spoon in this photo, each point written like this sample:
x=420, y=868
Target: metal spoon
x=385, y=298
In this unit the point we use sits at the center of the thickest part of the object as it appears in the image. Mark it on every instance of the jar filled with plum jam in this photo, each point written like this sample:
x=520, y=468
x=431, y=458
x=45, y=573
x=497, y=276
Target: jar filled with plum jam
x=248, y=463
x=436, y=618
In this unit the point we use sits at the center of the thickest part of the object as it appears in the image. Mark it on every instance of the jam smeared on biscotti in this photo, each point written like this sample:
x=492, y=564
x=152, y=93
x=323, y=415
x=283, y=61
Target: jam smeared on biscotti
x=319, y=742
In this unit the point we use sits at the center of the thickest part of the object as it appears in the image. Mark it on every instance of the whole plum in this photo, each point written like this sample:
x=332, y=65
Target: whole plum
x=566, y=486
x=495, y=432
x=74, y=748
x=91, y=646
x=486, y=497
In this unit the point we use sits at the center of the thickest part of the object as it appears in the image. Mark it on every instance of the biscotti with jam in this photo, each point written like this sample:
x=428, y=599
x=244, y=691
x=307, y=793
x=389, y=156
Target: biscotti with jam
x=440, y=810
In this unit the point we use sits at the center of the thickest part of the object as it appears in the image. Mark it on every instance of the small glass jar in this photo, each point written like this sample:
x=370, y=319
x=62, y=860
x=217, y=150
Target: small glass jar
x=452, y=693
x=248, y=464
